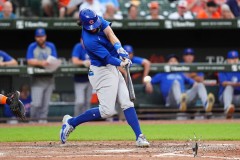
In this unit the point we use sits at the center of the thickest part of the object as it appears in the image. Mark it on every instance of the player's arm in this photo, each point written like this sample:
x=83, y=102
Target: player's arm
x=31, y=61
x=8, y=60
x=146, y=65
x=77, y=50
x=79, y=62
x=115, y=42
x=12, y=62
x=230, y=83
x=111, y=35
x=225, y=82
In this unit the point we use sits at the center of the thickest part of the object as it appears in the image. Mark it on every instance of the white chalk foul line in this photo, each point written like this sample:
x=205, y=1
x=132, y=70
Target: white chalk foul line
x=188, y=155
x=114, y=151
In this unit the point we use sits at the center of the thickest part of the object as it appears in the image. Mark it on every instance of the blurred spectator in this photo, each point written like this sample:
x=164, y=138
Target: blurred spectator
x=71, y=10
x=94, y=5
x=41, y=85
x=188, y=58
x=114, y=2
x=172, y=87
x=1, y=4
x=82, y=86
x=210, y=12
x=154, y=10
x=7, y=11
x=226, y=12
x=47, y=6
x=7, y=60
x=133, y=12
x=62, y=4
x=196, y=5
x=229, y=91
x=111, y=12
x=234, y=6
x=182, y=12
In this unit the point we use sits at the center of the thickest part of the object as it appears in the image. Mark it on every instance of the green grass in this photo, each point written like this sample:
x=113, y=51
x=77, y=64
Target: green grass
x=123, y=132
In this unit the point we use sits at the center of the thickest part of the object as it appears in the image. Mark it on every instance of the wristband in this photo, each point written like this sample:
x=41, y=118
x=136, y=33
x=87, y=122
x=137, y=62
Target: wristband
x=117, y=45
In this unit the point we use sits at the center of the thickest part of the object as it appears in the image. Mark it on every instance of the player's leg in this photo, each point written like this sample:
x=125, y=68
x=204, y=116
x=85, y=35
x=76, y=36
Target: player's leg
x=176, y=97
x=105, y=83
x=47, y=97
x=79, y=90
x=207, y=100
x=37, y=99
x=226, y=99
x=88, y=95
x=130, y=112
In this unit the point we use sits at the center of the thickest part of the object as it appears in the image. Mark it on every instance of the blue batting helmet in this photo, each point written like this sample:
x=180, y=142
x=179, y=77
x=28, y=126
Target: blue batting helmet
x=89, y=19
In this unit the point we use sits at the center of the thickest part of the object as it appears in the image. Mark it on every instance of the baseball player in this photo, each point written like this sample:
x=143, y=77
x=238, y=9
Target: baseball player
x=229, y=91
x=172, y=86
x=106, y=53
x=82, y=86
x=42, y=85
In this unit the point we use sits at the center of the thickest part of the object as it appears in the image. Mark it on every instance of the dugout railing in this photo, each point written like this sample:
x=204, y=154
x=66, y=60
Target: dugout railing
x=148, y=106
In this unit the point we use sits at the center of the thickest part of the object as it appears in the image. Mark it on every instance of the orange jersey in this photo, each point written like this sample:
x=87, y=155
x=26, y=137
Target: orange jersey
x=203, y=15
x=63, y=3
x=197, y=7
x=1, y=4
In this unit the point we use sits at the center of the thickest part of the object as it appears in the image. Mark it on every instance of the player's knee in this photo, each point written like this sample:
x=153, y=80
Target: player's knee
x=126, y=104
x=106, y=112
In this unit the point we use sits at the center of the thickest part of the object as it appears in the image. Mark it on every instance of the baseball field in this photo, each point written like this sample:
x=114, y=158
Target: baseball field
x=101, y=140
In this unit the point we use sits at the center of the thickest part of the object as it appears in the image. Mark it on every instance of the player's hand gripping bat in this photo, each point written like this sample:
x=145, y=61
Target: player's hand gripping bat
x=130, y=84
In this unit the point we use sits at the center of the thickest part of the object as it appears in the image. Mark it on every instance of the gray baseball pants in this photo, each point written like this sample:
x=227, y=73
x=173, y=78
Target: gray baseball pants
x=193, y=94
x=41, y=91
x=228, y=97
x=111, y=88
x=83, y=95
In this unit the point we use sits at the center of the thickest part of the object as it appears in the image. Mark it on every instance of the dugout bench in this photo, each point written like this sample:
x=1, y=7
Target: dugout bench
x=151, y=106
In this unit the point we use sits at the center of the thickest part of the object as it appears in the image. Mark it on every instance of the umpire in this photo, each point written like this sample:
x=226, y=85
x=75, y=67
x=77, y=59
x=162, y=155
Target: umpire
x=42, y=85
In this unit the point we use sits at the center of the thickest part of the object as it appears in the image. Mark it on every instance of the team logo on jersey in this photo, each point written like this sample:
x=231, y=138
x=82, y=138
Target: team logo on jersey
x=91, y=22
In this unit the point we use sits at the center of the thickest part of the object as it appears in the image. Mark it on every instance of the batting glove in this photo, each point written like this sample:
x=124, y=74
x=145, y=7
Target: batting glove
x=122, y=54
x=126, y=62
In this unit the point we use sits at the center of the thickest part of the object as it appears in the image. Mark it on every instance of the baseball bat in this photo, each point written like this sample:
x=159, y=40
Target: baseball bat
x=130, y=85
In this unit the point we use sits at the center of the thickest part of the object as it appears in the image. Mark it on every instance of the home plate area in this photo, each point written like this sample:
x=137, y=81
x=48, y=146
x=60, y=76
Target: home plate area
x=120, y=150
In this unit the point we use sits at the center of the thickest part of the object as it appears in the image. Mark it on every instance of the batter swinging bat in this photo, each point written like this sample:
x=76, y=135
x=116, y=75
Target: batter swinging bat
x=130, y=85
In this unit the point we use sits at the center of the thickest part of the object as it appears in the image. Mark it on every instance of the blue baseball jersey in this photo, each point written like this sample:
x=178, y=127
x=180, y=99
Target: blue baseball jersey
x=36, y=52
x=80, y=53
x=165, y=81
x=98, y=46
x=228, y=76
x=12, y=16
x=4, y=57
x=137, y=60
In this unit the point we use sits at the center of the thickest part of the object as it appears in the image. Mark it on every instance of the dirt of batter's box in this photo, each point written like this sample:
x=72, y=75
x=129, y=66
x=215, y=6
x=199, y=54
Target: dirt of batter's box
x=118, y=150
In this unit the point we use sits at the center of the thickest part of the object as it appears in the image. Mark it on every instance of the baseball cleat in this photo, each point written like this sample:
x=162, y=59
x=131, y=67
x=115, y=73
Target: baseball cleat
x=229, y=112
x=183, y=103
x=142, y=141
x=66, y=129
x=210, y=102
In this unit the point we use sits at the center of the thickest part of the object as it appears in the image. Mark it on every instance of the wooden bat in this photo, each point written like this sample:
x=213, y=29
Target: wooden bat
x=130, y=85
